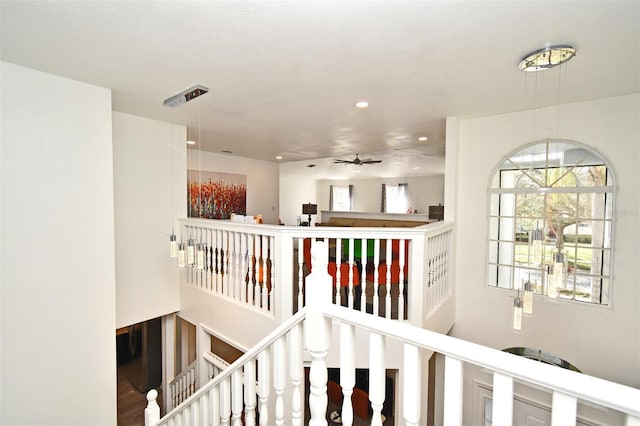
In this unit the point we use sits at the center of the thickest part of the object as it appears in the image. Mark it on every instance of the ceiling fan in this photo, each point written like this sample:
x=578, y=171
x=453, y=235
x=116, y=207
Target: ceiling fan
x=357, y=161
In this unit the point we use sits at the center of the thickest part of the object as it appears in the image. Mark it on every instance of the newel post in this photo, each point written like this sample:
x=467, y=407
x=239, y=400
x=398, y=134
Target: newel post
x=152, y=412
x=318, y=331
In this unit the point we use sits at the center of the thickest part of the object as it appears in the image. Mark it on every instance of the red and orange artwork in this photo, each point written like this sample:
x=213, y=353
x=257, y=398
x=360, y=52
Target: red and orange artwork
x=215, y=195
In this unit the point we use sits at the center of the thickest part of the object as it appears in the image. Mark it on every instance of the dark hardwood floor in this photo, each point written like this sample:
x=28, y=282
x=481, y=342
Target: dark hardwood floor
x=131, y=402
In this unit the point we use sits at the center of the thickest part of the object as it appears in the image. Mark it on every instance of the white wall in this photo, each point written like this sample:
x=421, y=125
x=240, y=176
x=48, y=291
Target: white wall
x=262, y=179
x=294, y=192
x=602, y=341
x=424, y=191
x=149, y=167
x=58, y=283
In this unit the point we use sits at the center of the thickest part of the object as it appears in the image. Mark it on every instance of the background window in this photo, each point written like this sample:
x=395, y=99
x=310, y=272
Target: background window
x=550, y=222
x=394, y=198
x=341, y=198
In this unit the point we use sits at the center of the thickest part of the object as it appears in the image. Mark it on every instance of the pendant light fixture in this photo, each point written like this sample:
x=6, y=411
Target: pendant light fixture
x=200, y=256
x=547, y=57
x=182, y=256
x=191, y=253
x=557, y=275
x=527, y=299
x=516, y=322
x=173, y=245
x=550, y=270
x=536, y=246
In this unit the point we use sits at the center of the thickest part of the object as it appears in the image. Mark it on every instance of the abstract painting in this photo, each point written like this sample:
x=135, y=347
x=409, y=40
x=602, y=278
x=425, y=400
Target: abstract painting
x=215, y=195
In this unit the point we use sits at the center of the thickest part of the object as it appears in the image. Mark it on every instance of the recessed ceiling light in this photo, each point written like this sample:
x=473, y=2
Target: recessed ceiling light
x=226, y=151
x=278, y=157
x=546, y=58
x=423, y=138
x=191, y=142
x=362, y=104
x=311, y=165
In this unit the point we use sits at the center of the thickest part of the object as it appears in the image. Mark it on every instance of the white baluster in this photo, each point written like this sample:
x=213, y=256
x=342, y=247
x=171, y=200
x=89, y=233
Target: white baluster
x=265, y=259
x=205, y=406
x=186, y=416
x=214, y=403
x=563, y=409
x=236, y=398
x=224, y=263
x=318, y=332
x=237, y=270
x=271, y=275
x=244, y=249
x=195, y=413
x=376, y=278
x=264, y=384
x=250, y=393
x=279, y=377
x=338, y=287
x=377, y=376
x=411, y=378
x=256, y=285
x=217, y=266
x=452, y=392
x=252, y=270
x=350, y=289
x=347, y=370
x=300, y=273
x=401, y=280
x=152, y=412
x=363, y=278
x=502, y=400
x=225, y=401
x=387, y=305
x=296, y=372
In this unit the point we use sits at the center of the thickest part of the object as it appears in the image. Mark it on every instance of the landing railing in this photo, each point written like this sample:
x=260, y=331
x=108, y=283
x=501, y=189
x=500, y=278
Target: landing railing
x=396, y=273
x=259, y=385
x=183, y=385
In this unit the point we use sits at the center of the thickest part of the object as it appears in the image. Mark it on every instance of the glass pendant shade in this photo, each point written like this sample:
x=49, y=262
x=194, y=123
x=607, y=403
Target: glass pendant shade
x=557, y=276
x=527, y=299
x=517, y=314
x=191, y=253
x=173, y=245
x=200, y=257
x=536, y=247
x=182, y=256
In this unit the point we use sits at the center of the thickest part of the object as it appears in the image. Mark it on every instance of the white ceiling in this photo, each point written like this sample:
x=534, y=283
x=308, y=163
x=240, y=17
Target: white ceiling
x=284, y=76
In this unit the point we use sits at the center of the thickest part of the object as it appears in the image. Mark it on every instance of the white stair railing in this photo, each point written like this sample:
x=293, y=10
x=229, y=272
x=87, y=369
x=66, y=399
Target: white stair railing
x=183, y=385
x=232, y=394
x=397, y=273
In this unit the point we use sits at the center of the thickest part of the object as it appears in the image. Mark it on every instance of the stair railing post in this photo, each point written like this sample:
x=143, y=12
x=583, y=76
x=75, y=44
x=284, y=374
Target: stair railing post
x=152, y=412
x=318, y=331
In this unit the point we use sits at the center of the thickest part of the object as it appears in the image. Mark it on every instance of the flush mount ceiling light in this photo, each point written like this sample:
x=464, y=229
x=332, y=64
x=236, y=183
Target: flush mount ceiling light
x=423, y=138
x=362, y=104
x=546, y=58
x=185, y=96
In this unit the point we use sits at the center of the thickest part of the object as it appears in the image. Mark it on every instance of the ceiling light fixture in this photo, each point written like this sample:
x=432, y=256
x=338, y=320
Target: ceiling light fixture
x=185, y=96
x=546, y=58
x=278, y=157
x=362, y=104
x=423, y=138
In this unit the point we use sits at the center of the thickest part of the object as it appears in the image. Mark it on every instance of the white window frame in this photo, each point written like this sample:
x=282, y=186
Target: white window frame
x=510, y=264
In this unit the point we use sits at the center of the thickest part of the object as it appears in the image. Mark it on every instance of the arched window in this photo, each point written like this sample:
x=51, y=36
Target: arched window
x=550, y=222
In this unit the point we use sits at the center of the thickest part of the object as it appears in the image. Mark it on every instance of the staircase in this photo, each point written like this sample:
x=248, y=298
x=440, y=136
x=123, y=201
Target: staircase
x=266, y=386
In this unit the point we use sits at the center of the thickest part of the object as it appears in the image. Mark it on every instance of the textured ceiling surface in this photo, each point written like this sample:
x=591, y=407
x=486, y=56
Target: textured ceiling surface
x=284, y=76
